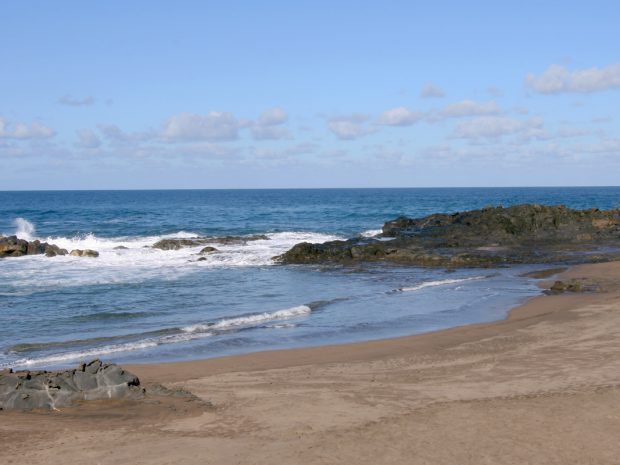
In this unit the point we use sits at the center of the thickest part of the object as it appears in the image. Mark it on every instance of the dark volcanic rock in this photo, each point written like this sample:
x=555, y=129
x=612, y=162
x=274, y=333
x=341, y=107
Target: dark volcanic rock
x=225, y=240
x=573, y=285
x=176, y=244
x=486, y=237
x=26, y=390
x=11, y=246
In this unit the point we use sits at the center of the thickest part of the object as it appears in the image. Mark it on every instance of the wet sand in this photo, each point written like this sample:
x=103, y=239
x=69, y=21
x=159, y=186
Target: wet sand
x=541, y=387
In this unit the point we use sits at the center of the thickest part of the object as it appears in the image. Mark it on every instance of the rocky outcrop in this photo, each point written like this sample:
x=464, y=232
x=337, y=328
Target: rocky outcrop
x=176, y=244
x=227, y=240
x=28, y=390
x=84, y=253
x=11, y=246
x=486, y=237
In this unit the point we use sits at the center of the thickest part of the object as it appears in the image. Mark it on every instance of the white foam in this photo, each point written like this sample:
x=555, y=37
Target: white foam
x=443, y=282
x=25, y=229
x=371, y=233
x=80, y=355
x=139, y=262
x=250, y=320
x=87, y=354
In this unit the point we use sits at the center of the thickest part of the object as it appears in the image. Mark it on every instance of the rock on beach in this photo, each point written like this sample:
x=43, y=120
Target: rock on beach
x=27, y=390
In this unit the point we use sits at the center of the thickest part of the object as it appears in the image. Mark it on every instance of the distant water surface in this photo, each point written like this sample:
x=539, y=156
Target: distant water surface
x=147, y=305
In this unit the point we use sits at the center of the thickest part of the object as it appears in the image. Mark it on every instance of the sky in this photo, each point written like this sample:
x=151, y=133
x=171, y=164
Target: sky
x=280, y=94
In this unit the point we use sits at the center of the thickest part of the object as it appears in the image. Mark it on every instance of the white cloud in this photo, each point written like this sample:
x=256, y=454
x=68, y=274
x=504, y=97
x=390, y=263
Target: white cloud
x=347, y=130
x=24, y=131
x=270, y=133
x=268, y=125
x=467, y=108
x=399, y=116
x=604, y=146
x=87, y=139
x=430, y=90
x=117, y=135
x=492, y=127
x=76, y=102
x=558, y=79
x=273, y=117
x=569, y=132
x=214, y=126
x=350, y=127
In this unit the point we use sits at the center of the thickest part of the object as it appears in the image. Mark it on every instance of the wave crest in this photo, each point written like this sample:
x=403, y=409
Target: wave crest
x=442, y=282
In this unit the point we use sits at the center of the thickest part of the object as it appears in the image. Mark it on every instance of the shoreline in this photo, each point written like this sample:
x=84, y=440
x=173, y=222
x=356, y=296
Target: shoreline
x=541, y=386
x=532, y=308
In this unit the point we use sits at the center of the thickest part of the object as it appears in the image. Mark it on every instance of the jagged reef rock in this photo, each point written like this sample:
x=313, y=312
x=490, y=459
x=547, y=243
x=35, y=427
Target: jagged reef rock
x=486, y=237
x=28, y=390
x=176, y=244
x=11, y=246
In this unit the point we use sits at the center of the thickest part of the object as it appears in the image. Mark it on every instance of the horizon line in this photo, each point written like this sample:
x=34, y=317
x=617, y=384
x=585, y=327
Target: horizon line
x=305, y=188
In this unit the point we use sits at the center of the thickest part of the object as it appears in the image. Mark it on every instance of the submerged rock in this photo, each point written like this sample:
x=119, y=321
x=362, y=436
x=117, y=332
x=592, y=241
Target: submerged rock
x=488, y=237
x=27, y=390
x=208, y=249
x=11, y=246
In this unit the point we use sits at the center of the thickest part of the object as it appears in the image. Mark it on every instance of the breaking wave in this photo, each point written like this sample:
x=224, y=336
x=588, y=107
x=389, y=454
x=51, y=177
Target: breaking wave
x=442, y=282
x=250, y=320
x=132, y=259
x=133, y=342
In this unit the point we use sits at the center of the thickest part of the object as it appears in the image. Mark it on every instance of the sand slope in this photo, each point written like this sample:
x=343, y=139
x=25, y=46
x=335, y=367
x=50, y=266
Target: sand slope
x=538, y=388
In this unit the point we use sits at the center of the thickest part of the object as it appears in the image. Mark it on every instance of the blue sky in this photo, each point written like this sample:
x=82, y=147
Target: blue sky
x=315, y=94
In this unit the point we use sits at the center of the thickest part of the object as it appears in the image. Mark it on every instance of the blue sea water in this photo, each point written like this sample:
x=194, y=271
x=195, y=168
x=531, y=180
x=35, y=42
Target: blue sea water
x=140, y=304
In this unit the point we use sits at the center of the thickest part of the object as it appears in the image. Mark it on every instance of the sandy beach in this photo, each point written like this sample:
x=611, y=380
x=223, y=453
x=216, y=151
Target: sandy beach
x=540, y=387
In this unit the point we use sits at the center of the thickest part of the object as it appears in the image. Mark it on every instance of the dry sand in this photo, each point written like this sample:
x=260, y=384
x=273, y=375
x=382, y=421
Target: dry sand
x=540, y=387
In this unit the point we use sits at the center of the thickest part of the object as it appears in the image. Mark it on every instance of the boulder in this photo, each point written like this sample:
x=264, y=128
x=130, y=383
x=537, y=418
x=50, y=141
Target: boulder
x=11, y=246
x=208, y=249
x=26, y=390
x=84, y=253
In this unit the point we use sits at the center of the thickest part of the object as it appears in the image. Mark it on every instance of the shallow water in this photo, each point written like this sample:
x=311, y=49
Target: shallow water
x=146, y=305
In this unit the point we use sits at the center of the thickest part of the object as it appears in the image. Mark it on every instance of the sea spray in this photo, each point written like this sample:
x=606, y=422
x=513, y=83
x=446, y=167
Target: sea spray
x=24, y=229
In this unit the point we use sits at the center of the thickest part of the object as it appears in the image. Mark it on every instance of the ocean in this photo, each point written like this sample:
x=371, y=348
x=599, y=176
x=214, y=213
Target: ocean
x=142, y=305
